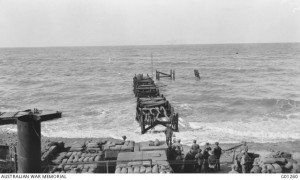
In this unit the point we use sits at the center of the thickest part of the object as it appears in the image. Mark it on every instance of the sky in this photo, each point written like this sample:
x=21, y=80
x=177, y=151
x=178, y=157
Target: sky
x=35, y=23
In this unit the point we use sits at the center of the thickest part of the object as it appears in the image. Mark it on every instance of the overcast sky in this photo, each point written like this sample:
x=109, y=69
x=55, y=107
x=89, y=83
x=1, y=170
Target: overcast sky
x=25, y=23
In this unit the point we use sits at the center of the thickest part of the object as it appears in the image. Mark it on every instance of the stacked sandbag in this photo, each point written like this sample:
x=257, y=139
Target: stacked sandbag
x=107, y=145
x=93, y=147
x=296, y=168
x=276, y=162
x=77, y=146
x=114, y=145
x=59, y=157
x=49, y=154
x=112, y=148
x=279, y=154
x=141, y=169
x=271, y=165
x=118, y=142
x=115, y=148
x=69, y=160
x=77, y=168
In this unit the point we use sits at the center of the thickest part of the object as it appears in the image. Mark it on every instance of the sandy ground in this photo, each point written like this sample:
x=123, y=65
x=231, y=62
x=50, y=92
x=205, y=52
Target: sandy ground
x=293, y=147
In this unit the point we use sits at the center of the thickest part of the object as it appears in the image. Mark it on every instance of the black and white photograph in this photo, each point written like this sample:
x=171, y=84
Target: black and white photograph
x=202, y=88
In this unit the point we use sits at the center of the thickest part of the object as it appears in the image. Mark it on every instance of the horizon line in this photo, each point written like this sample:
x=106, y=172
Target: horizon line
x=62, y=46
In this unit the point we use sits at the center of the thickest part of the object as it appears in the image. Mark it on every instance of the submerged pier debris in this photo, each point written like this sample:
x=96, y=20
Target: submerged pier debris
x=152, y=107
x=196, y=72
x=161, y=74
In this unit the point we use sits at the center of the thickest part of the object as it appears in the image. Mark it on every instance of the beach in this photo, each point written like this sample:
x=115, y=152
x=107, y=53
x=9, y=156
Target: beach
x=293, y=147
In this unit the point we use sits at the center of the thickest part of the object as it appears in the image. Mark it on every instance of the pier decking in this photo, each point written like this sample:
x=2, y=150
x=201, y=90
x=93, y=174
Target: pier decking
x=152, y=107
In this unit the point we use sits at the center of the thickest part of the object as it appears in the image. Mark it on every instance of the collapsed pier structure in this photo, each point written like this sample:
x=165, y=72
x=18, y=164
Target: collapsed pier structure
x=152, y=107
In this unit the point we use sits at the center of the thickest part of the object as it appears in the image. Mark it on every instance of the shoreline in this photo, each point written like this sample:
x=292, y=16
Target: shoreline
x=10, y=138
x=226, y=160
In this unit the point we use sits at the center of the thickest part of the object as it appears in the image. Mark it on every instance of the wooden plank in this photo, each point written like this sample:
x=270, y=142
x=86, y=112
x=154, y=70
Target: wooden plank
x=166, y=76
x=163, y=73
x=8, y=114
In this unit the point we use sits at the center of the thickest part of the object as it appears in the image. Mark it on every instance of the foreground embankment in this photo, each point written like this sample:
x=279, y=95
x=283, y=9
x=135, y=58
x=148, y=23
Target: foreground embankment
x=293, y=147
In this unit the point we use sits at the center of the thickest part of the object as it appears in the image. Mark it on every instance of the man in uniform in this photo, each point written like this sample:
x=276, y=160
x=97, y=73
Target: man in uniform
x=218, y=152
x=199, y=161
x=244, y=147
x=238, y=158
x=169, y=134
x=195, y=146
x=206, y=150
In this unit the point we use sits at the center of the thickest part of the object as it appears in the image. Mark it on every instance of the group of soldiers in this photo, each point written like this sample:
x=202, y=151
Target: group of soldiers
x=193, y=161
x=196, y=158
x=209, y=157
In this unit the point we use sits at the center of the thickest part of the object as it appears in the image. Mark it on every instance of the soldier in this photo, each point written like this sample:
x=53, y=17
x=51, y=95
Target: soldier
x=244, y=147
x=195, y=146
x=218, y=152
x=200, y=160
x=124, y=138
x=212, y=161
x=189, y=161
x=238, y=158
x=245, y=162
x=169, y=134
x=207, y=148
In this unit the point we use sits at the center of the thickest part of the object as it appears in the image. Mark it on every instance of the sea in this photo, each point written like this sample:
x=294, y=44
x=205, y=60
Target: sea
x=247, y=92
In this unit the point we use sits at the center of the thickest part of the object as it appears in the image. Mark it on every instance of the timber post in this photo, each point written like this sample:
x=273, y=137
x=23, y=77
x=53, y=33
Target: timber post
x=173, y=74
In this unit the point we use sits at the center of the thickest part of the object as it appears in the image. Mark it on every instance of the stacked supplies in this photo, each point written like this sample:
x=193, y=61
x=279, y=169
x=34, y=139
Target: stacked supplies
x=131, y=168
x=276, y=162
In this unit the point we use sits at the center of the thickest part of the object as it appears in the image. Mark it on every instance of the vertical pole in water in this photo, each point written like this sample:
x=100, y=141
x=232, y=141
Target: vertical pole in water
x=173, y=74
x=29, y=144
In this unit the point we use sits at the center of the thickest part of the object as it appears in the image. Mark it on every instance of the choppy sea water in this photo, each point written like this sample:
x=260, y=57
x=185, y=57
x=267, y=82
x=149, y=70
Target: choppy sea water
x=246, y=92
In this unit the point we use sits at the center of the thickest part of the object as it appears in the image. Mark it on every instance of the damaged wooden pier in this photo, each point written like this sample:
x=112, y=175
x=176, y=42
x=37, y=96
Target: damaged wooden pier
x=152, y=107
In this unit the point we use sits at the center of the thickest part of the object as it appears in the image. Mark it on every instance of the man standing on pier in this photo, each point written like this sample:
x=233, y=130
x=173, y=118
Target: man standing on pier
x=169, y=134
